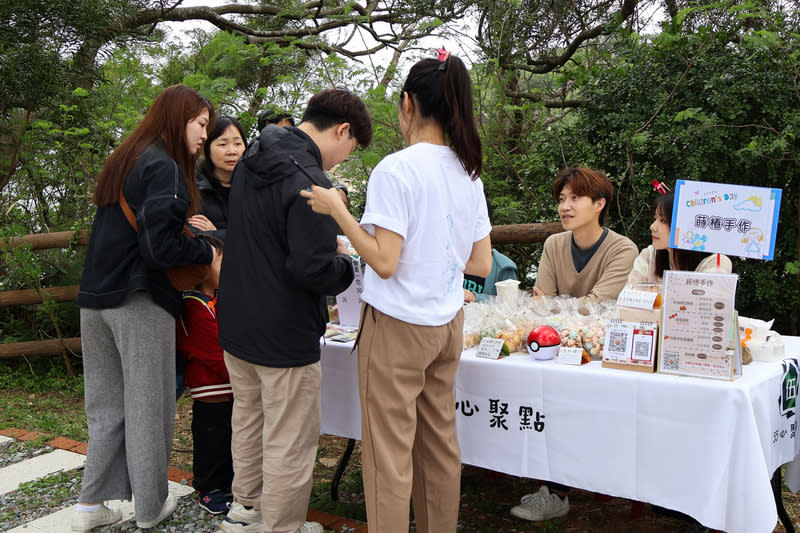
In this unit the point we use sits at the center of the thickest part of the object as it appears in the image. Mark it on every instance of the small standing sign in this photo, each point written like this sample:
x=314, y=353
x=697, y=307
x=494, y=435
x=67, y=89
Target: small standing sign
x=630, y=345
x=699, y=333
x=728, y=219
x=348, y=302
x=490, y=348
x=570, y=355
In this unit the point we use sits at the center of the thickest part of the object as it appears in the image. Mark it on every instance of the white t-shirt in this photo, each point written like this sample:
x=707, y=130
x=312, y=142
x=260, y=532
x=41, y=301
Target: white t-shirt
x=423, y=194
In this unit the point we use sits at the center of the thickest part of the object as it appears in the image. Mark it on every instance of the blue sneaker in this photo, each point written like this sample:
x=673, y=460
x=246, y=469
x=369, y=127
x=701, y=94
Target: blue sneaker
x=214, y=502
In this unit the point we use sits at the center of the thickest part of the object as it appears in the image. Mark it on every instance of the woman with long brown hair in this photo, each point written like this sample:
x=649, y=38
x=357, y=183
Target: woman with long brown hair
x=128, y=308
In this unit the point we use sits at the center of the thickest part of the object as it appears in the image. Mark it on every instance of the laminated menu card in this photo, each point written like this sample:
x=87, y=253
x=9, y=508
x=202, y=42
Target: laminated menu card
x=699, y=332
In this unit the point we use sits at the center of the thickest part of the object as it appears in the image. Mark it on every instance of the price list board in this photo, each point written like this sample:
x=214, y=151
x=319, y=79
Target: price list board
x=699, y=334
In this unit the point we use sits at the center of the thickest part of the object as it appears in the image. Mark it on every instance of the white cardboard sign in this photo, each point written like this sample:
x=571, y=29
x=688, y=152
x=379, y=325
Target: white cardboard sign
x=726, y=219
x=490, y=348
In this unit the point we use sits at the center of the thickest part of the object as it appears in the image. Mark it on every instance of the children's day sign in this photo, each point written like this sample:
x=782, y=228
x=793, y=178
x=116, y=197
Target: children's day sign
x=727, y=219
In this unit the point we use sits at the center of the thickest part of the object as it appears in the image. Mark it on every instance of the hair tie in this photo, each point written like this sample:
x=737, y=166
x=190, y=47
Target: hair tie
x=659, y=187
x=443, y=56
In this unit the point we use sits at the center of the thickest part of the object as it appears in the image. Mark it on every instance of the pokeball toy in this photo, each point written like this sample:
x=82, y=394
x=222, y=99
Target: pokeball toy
x=543, y=342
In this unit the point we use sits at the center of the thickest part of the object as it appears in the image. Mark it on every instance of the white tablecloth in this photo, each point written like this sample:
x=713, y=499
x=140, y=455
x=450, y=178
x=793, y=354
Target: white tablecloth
x=702, y=447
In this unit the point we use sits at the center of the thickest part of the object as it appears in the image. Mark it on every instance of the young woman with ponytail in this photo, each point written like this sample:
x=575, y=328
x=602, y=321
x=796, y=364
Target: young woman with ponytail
x=425, y=223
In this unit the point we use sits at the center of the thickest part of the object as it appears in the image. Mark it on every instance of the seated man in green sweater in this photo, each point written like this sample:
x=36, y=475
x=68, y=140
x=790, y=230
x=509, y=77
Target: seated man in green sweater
x=586, y=261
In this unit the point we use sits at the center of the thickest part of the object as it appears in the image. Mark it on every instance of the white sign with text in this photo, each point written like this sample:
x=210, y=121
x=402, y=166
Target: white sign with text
x=726, y=219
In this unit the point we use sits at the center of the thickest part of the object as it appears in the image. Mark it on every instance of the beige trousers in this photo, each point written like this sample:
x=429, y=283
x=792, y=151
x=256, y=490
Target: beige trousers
x=276, y=422
x=409, y=446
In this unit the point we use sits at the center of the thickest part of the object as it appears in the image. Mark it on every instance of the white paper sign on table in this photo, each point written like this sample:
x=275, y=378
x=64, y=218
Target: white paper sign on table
x=570, y=355
x=637, y=299
x=490, y=348
x=348, y=301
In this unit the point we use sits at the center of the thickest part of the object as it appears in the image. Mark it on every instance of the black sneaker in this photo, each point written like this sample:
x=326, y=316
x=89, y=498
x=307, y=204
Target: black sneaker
x=214, y=502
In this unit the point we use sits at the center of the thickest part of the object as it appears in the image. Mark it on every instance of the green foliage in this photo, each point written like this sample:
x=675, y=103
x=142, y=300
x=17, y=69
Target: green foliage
x=711, y=97
x=321, y=500
x=36, y=38
x=38, y=375
x=522, y=155
x=21, y=269
x=61, y=486
x=52, y=399
x=704, y=105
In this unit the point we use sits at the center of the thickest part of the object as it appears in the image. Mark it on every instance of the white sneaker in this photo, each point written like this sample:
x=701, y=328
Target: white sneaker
x=542, y=505
x=85, y=521
x=167, y=509
x=311, y=527
x=242, y=520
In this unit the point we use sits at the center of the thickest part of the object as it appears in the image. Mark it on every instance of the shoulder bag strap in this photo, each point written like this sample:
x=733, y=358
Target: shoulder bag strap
x=128, y=212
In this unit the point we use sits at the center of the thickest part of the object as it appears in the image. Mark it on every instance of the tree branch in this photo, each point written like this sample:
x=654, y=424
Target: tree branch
x=543, y=66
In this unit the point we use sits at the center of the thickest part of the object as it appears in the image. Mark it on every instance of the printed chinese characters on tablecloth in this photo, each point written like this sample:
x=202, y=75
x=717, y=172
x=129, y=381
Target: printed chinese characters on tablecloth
x=500, y=416
x=784, y=426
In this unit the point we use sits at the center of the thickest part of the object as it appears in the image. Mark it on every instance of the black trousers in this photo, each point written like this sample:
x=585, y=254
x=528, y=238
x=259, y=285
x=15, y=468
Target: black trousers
x=211, y=433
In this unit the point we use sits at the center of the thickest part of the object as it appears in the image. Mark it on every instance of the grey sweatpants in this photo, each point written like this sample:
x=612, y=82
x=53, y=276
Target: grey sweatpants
x=129, y=387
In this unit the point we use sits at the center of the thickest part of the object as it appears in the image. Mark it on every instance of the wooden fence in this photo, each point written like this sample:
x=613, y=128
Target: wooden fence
x=509, y=234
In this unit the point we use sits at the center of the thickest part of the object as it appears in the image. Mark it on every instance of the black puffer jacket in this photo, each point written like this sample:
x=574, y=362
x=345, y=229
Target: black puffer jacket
x=280, y=257
x=119, y=260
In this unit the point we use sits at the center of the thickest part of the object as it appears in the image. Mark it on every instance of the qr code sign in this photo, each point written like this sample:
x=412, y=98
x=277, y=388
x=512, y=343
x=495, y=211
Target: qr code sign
x=672, y=361
x=617, y=341
x=641, y=349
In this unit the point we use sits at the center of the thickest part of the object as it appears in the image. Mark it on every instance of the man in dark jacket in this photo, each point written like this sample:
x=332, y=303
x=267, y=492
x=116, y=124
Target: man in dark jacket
x=281, y=261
